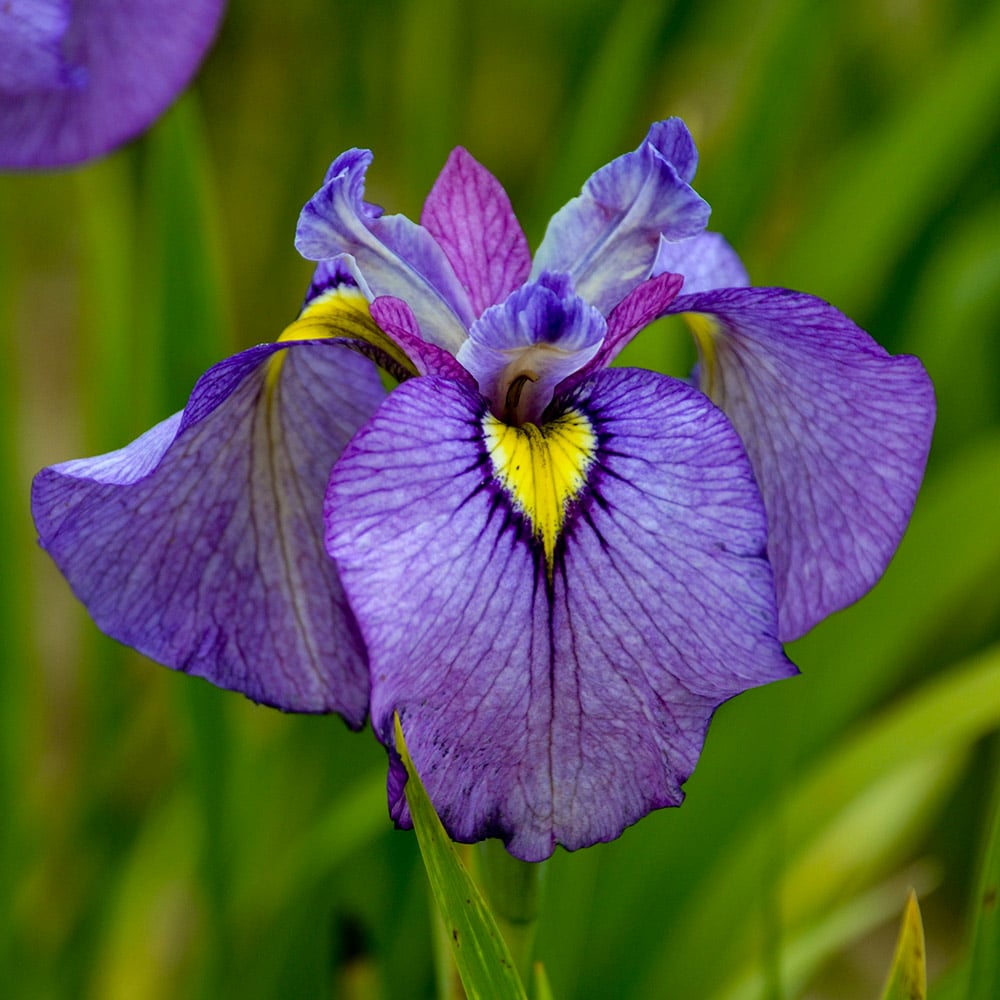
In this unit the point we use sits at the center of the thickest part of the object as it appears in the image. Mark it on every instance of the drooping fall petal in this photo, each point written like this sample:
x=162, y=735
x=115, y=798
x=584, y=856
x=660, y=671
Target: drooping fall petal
x=569, y=604
x=200, y=544
x=837, y=429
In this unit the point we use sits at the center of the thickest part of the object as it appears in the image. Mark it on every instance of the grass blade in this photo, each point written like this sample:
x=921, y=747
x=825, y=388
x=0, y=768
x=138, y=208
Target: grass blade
x=908, y=975
x=482, y=957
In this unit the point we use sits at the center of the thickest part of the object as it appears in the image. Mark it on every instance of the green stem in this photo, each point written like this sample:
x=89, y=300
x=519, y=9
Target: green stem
x=513, y=890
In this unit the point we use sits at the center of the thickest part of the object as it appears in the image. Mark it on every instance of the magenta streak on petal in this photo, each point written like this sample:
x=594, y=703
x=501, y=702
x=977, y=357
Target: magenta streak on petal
x=394, y=255
x=636, y=311
x=469, y=214
x=396, y=318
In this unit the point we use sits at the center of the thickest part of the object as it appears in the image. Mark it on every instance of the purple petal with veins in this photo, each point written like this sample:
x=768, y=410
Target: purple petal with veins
x=200, y=544
x=838, y=431
x=554, y=710
x=469, y=214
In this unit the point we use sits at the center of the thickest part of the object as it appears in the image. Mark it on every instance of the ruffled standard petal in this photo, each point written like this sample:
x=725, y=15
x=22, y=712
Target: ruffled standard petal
x=200, y=544
x=394, y=255
x=607, y=238
x=114, y=68
x=553, y=694
x=837, y=429
x=470, y=216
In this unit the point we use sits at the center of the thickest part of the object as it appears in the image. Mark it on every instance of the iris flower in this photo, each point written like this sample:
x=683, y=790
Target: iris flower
x=554, y=571
x=79, y=77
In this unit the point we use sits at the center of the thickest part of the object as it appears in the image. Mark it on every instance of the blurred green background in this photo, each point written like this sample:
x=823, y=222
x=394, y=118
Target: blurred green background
x=161, y=838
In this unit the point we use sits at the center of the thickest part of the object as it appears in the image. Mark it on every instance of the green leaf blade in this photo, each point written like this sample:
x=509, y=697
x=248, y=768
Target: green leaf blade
x=481, y=955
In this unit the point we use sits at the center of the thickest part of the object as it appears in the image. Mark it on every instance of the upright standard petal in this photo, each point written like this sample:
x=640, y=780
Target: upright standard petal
x=394, y=255
x=117, y=66
x=200, y=544
x=837, y=430
x=613, y=591
x=706, y=262
x=469, y=214
x=607, y=238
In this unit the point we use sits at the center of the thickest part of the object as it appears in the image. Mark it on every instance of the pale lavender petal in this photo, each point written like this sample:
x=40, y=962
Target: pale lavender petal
x=117, y=66
x=521, y=349
x=395, y=256
x=837, y=429
x=674, y=143
x=554, y=708
x=607, y=238
x=707, y=261
x=201, y=543
x=469, y=214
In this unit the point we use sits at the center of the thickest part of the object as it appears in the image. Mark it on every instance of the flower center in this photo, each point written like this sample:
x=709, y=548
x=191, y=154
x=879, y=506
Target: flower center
x=542, y=469
x=522, y=348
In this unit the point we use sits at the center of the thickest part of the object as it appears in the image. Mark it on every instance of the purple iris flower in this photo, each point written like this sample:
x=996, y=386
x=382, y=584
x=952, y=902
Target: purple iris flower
x=552, y=570
x=79, y=77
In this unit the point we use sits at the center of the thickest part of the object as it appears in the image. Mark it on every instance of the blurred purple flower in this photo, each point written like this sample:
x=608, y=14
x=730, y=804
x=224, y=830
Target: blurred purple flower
x=554, y=571
x=80, y=77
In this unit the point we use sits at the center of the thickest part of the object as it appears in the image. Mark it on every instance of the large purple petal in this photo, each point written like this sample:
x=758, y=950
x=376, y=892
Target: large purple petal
x=554, y=693
x=200, y=544
x=31, y=55
x=837, y=429
x=119, y=65
x=469, y=214
x=394, y=255
x=607, y=238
